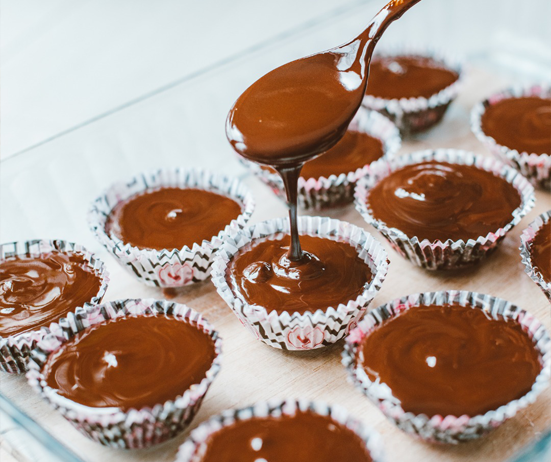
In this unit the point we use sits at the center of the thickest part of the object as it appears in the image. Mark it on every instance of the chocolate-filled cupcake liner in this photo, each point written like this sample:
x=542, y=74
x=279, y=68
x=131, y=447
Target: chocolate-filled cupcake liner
x=134, y=428
x=412, y=115
x=310, y=330
x=193, y=448
x=526, y=240
x=446, y=429
x=438, y=255
x=168, y=267
x=535, y=167
x=15, y=349
x=320, y=193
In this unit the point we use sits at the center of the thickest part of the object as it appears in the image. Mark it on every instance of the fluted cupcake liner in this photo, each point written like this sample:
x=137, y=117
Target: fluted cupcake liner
x=446, y=429
x=310, y=330
x=526, y=240
x=133, y=428
x=438, y=255
x=412, y=115
x=168, y=267
x=191, y=450
x=320, y=193
x=15, y=349
x=535, y=167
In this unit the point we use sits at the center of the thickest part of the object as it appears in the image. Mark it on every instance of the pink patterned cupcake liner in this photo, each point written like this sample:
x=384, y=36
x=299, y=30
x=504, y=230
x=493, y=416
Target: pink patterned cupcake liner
x=309, y=330
x=134, y=428
x=526, y=239
x=192, y=449
x=15, y=349
x=535, y=167
x=438, y=255
x=168, y=267
x=446, y=429
x=320, y=193
x=412, y=115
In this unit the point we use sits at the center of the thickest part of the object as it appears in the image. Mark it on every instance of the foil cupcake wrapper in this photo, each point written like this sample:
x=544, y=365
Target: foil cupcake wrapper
x=134, y=428
x=412, y=115
x=535, y=167
x=446, y=429
x=191, y=450
x=438, y=255
x=15, y=349
x=526, y=240
x=167, y=268
x=310, y=330
x=320, y=193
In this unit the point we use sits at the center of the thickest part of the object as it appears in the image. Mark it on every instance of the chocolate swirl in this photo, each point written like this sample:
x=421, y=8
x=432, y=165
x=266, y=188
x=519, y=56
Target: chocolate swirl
x=450, y=360
x=36, y=291
x=523, y=124
x=541, y=251
x=131, y=362
x=171, y=218
x=440, y=201
x=330, y=273
x=304, y=437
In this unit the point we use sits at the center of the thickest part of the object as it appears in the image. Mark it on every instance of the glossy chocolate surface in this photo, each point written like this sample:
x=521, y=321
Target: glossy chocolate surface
x=523, y=124
x=131, y=362
x=261, y=274
x=450, y=360
x=36, y=291
x=439, y=201
x=541, y=251
x=171, y=218
x=407, y=77
x=304, y=437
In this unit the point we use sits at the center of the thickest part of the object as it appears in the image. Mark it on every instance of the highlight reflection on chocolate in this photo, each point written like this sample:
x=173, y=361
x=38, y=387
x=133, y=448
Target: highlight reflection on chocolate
x=171, y=218
x=36, y=291
x=521, y=123
x=450, y=360
x=261, y=274
x=304, y=437
x=130, y=362
x=440, y=201
x=541, y=251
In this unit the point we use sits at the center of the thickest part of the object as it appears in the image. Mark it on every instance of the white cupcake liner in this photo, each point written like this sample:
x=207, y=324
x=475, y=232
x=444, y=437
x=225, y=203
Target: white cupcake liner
x=438, y=255
x=134, y=428
x=319, y=328
x=320, y=193
x=15, y=349
x=191, y=449
x=526, y=240
x=535, y=167
x=446, y=429
x=168, y=267
x=412, y=115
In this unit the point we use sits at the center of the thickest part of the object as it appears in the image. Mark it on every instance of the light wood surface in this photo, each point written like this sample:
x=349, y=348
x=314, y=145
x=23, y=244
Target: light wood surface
x=252, y=371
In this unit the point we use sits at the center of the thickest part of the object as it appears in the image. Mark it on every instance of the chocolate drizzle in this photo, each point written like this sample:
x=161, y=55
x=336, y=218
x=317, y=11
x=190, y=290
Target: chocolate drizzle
x=36, y=291
x=541, y=251
x=171, y=218
x=440, y=201
x=130, y=362
x=450, y=360
x=304, y=437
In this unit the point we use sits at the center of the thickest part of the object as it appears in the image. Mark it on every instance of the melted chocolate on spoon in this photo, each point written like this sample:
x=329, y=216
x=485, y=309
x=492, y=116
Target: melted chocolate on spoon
x=304, y=107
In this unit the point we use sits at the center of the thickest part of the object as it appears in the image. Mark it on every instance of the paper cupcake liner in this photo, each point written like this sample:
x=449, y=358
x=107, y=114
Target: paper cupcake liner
x=526, y=239
x=446, y=429
x=15, y=349
x=412, y=115
x=438, y=255
x=320, y=193
x=168, y=267
x=309, y=330
x=535, y=167
x=191, y=449
x=134, y=428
